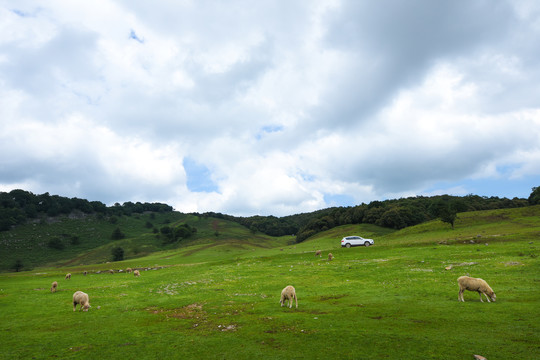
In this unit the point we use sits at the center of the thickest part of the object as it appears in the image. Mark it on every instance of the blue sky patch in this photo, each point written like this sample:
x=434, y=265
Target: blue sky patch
x=268, y=129
x=339, y=200
x=20, y=13
x=133, y=35
x=199, y=177
x=503, y=187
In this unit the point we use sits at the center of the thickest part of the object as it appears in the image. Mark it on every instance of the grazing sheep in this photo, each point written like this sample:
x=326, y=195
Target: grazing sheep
x=475, y=284
x=330, y=256
x=54, y=286
x=85, y=272
x=318, y=253
x=479, y=357
x=111, y=271
x=129, y=270
x=81, y=298
x=288, y=294
x=136, y=273
x=68, y=276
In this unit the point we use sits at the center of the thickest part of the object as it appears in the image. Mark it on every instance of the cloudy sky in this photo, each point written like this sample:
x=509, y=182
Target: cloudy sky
x=270, y=107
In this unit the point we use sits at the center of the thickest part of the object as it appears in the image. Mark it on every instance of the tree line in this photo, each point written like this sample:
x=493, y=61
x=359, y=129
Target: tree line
x=396, y=214
x=19, y=206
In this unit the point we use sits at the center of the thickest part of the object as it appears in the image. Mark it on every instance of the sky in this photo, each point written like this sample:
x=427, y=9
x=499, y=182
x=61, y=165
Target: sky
x=271, y=107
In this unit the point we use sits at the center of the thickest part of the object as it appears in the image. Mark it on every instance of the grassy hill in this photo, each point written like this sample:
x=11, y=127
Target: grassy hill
x=217, y=296
x=87, y=239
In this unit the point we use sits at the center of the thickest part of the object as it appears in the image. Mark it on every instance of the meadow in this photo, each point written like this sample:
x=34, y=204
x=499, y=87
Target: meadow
x=218, y=298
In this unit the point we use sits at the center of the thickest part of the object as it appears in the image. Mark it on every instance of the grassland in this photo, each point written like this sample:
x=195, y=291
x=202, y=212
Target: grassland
x=217, y=297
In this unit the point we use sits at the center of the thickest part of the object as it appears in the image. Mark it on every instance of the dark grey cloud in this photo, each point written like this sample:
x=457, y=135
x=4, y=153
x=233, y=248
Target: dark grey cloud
x=390, y=45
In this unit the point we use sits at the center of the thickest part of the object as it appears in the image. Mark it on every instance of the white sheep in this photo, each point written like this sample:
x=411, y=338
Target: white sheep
x=475, y=284
x=68, y=276
x=330, y=256
x=81, y=298
x=318, y=253
x=85, y=272
x=111, y=271
x=136, y=273
x=288, y=294
x=54, y=286
x=129, y=270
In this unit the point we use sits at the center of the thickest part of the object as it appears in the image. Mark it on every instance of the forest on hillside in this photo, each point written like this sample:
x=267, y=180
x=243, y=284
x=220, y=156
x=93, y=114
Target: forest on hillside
x=395, y=214
x=19, y=206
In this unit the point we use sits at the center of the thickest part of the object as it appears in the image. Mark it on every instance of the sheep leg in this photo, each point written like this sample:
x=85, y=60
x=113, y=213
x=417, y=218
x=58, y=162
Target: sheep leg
x=296, y=299
x=487, y=297
x=460, y=295
x=479, y=292
x=74, y=306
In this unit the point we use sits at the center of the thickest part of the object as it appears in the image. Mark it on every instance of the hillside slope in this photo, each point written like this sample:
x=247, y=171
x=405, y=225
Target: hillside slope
x=75, y=240
x=220, y=238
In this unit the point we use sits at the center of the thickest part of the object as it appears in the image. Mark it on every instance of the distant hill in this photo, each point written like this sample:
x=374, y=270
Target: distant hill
x=37, y=230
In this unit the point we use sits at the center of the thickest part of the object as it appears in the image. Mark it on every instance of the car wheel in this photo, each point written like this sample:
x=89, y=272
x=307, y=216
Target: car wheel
x=348, y=245
x=367, y=243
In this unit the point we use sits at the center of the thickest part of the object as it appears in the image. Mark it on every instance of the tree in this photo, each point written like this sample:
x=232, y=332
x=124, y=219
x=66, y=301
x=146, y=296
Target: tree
x=449, y=216
x=534, y=198
x=183, y=231
x=444, y=209
x=75, y=240
x=117, y=234
x=56, y=243
x=18, y=265
x=118, y=254
x=393, y=218
x=168, y=234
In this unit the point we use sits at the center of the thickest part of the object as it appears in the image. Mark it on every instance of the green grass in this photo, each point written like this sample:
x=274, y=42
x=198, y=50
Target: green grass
x=218, y=297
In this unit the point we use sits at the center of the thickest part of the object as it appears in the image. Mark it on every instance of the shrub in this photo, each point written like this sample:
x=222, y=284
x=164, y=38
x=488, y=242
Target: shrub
x=117, y=234
x=118, y=254
x=18, y=265
x=56, y=243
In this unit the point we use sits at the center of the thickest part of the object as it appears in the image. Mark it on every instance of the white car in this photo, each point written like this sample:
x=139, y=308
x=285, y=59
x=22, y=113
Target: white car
x=349, y=241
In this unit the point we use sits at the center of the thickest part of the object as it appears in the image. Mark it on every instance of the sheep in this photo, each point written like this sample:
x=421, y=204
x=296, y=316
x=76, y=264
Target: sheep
x=330, y=256
x=136, y=273
x=129, y=270
x=318, y=253
x=68, y=276
x=54, y=286
x=85, y=272
x=81, y=298
x=111, y=271
x=475, y=284
x=288, y=294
